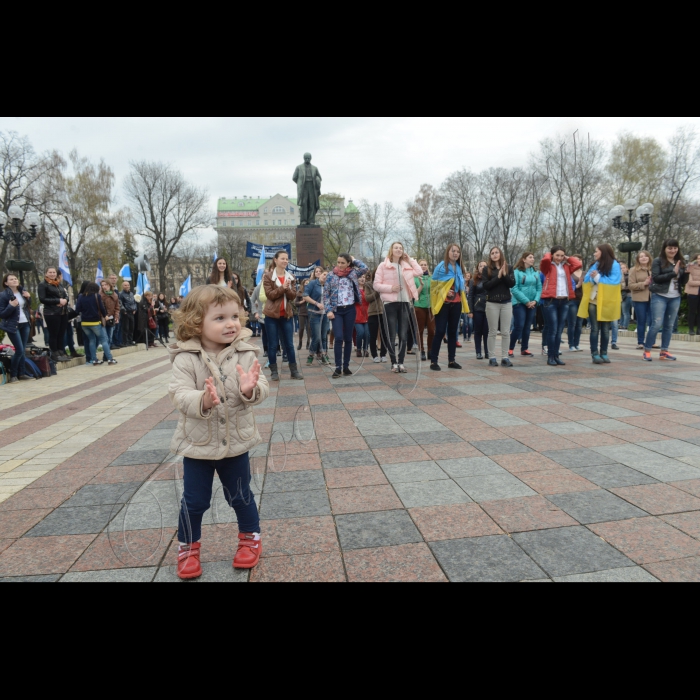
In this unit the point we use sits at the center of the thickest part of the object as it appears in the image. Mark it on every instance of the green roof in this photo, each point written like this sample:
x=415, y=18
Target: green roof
x=247, y=204
x=351, y=209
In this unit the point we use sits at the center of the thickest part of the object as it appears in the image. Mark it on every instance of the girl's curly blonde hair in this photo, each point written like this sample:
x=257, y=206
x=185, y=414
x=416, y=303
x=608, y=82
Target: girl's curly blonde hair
x=189, y=319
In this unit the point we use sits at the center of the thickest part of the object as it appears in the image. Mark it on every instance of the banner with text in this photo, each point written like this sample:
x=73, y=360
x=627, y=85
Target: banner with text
x=303, y=273
x=254, y=250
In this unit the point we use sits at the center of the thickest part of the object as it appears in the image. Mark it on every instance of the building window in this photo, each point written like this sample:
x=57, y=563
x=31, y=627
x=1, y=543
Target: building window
x=266, y=223
x=265, y=210
x=291, y=210
x=285, y=222
x=280, y=222
x=279, y=210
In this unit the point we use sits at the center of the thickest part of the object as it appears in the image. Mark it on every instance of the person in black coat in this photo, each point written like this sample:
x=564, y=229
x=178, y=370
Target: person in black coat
x=477, y=306
x=55, y=300
x=15, y=312
x=92, y=311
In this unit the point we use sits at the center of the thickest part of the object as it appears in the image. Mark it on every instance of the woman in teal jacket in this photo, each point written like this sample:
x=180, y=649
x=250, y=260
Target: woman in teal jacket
x=526, y=296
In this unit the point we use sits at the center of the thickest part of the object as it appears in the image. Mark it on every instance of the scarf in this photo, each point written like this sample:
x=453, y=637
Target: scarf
x=342, y=273
x=53, y=283
x=447, y=275
x=109, y=294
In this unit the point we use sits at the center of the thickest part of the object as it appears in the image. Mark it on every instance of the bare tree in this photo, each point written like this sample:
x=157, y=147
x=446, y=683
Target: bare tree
x=341, y=233
x=165, y=209
x=382, y=226
x=428, y=222
x=77, y=202
x=22, y=173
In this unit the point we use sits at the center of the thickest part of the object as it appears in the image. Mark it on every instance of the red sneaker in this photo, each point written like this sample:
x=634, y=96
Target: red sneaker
x=188, y=564
x=667, y=357
x=511, y=354
x=459, y=345
x=249, y=552
x=527, y=353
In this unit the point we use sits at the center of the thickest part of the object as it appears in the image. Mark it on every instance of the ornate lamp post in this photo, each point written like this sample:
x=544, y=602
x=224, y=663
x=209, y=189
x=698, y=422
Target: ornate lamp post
x=18, y=235
x=633, y=225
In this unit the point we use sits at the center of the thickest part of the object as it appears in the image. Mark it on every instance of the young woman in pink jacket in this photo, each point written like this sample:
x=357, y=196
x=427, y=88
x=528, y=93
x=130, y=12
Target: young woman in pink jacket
x=395, y=282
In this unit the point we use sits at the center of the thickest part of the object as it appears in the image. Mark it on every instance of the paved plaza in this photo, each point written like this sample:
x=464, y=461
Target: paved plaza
x=532, y=474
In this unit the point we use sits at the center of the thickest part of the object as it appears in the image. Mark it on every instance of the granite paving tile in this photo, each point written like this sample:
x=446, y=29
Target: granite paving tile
x=5, y=544
x=300, y=536
x=409, y=563
x=556, y=482
x=39, y=556
x=451, y=451
x=282, y=506
x=374, y=530
x=325, y=567
x=692, y=487
x=400, y=455
x=364, y=500
x=102, y=494
x=613, y=476
x=659, y=499
x=128, y=459
x=443, y=437
x=125, y=475
x=73, y=479
x=592, y=440
x=680, y=571
x=596, y=507
x=14, y=524
x=672, y=448
x=342, y=445
x=115, y=576
x=524, y=463
x=578, y=458
x=75, y=521
x=294, y=481
x=633, y=574
x=127, y=549
x=432, y=493
x=385, y=441
x=340, y=460
x=472, y=466
x=217, y=572
x=572, y=550
x=648, y=540
x=454, y=522
x=685, y=522
x=494, y=559
x=494, y=487
x=32, y=499
x=414, y=472
x=32, y=579
x=499, y=447
x=354, y=477
x=527, y=514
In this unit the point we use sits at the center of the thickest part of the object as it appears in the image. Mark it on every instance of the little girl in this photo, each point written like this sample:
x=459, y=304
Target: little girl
x=216, y=382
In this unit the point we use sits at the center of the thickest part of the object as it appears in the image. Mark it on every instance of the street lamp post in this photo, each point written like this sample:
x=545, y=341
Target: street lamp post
x=633, y=225
x=12, y=231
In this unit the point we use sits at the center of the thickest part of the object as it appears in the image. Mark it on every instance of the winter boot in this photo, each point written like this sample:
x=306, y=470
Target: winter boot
x=275, y=374
x=296, y=374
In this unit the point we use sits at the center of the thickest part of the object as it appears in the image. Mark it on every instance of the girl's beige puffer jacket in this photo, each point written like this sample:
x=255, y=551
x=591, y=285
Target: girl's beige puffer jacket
x=229, y=430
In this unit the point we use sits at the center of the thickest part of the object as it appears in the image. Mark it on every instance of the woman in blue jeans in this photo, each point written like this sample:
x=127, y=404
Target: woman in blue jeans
x=640, y=282
x=669, y=276
x=341, y=293
x=526, y=296
x=15, y=313
x=318, y=321
x=92, y=310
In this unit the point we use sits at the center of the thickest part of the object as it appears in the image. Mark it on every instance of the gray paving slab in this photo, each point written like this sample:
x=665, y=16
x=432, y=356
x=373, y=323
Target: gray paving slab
x=376, y=442
x=168, y=425
x=102, y=494
x=264, y=420
x=372, y=530
x=580, y=457
x=470, y=466
x=694, y=441
x=219, y=572
x=500, y=447
x=378, y=430
x=497, y=418
x=571, y=550
x=294, y=481
x=633, y=574
x=113, y=576
x=384, y=396
x=404, y=412
x=485, y=560
x=292, y=401
x=427, y=402
x=305, y=504
x=32, y=579
x=340, y=460
x=150, y=515
x=596, y=507
x=613, y=476
x=331, y=408
x=75, y=521
x=364, y=415
x=431, y=493
x=609, y=425
x=495, y=487
x=650, y=463
x=672, y=448
x=413, y=472
x=563, y=429
x=607, y=410
x=129, y=459
x=435, y=437
x=446, y=391
x=155, y=440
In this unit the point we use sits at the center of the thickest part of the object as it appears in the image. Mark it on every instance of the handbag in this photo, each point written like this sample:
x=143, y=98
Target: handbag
x=152, y=323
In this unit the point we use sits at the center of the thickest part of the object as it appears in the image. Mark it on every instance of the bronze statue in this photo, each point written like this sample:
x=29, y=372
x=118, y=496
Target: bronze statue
x=308, y=180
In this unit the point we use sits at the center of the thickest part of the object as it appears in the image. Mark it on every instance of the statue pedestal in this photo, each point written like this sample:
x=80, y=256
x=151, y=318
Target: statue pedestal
x=309, y=245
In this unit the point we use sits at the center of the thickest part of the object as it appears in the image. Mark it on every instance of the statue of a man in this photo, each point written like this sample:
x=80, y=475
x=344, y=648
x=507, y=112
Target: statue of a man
x=308, y=180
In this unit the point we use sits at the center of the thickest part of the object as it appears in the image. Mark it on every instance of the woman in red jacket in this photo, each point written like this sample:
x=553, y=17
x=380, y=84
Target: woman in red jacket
x=362, y=321
x=557, y=292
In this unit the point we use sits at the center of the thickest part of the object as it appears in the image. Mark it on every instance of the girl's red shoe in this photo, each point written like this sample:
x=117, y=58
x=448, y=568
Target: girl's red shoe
x=249, y=552
x=189, y=566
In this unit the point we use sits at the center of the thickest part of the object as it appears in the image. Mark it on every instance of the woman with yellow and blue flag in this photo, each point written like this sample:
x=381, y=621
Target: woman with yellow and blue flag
x=602, y=300
x=448, y=300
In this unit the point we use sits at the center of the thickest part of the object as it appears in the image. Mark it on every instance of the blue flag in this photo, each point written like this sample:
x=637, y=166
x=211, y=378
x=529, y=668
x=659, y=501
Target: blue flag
x=63, y=262
x=216, y=256
x=139, y=285
x=125, y=273
x=186, y=287
x=100, y=274
x=261, y=267
x=142, y=284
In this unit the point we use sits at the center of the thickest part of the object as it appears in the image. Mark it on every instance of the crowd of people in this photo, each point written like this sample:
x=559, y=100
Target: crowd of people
x=384, y=313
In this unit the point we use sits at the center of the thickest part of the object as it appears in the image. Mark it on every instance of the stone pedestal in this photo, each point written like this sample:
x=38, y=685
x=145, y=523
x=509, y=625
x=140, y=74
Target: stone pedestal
x=309, y=245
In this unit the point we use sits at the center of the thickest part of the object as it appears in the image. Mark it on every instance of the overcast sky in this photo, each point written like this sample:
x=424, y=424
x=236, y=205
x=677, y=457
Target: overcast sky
x=377, y=158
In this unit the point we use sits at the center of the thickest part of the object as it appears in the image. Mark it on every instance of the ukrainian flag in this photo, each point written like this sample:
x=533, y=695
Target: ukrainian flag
x=608, y=301
x=438, y=295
